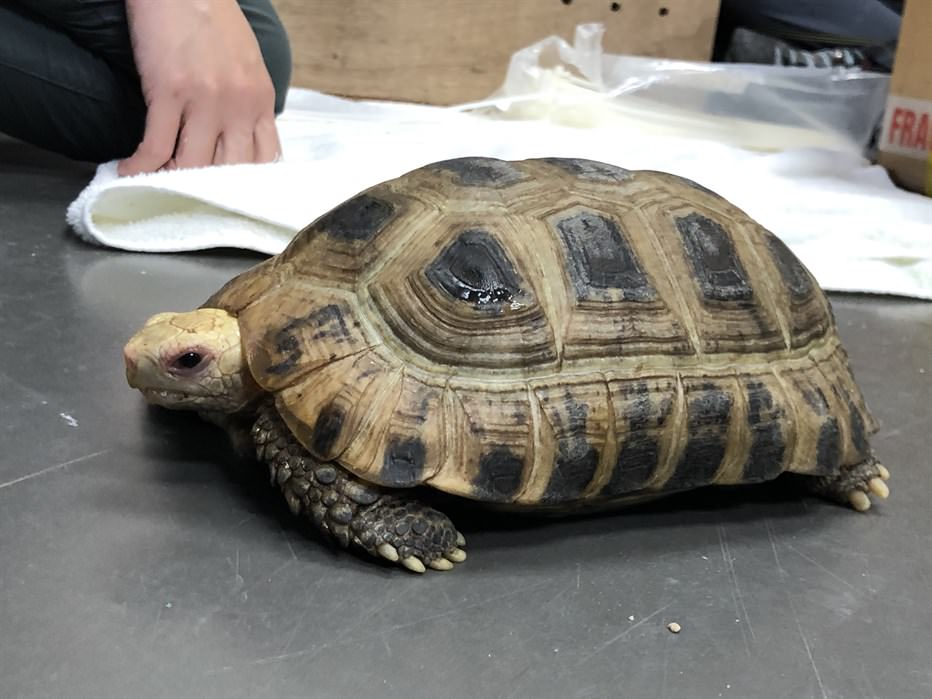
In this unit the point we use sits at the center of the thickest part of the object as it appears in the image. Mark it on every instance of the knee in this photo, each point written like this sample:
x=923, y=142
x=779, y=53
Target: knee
x=274, y=44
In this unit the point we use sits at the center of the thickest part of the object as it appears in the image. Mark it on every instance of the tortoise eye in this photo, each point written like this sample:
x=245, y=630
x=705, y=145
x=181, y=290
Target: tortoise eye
x=188, y=360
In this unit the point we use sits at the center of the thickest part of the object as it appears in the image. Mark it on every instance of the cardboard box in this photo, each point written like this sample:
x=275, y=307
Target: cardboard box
x=451, y=51
x=906, y=139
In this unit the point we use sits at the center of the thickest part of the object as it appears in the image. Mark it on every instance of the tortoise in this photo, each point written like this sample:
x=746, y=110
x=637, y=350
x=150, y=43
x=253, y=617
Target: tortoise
x=553, y=335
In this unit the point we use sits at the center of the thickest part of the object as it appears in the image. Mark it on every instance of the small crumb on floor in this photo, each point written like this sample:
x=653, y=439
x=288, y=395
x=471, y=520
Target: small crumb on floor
x=674, y=627
x=631, y=618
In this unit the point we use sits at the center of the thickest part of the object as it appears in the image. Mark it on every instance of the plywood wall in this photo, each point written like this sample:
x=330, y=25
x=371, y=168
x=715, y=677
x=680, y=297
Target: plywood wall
x=449, y=51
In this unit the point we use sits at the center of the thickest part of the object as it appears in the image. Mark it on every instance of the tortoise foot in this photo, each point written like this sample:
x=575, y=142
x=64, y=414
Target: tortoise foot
x=856, y=485
x=410, y=534
x=353, y=512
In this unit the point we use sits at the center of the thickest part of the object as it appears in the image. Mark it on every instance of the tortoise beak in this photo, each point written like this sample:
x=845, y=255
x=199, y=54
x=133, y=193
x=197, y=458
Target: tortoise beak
x=132, y=365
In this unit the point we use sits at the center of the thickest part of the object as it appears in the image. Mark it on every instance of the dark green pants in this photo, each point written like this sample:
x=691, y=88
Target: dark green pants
x=68, y=82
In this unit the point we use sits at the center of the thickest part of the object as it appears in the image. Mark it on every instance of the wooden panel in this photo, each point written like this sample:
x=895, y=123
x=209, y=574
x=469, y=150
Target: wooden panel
x=445, y=52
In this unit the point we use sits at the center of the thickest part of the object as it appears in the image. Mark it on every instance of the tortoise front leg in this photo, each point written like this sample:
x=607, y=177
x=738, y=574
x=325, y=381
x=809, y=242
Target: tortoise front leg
x=386, y=523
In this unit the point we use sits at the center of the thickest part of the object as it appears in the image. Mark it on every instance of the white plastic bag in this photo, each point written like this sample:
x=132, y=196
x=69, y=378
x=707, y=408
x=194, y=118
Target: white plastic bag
x=767, y=108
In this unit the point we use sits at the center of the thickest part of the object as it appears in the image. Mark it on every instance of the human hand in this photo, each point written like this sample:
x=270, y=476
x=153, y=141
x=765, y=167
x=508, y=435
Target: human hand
x=209, y=96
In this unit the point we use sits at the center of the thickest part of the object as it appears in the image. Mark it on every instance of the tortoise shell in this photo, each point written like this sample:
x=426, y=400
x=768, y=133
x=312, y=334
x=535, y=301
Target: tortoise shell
x=549, y=331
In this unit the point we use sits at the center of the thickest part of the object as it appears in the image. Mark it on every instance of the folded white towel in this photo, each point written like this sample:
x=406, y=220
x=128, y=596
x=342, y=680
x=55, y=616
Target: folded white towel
x=841, y=215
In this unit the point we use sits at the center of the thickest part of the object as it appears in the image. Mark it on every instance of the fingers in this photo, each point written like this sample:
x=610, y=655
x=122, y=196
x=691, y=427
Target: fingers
x=205, y=142
x=158, y=141
x=268, y=146
x=198, y=139
x=235, y=146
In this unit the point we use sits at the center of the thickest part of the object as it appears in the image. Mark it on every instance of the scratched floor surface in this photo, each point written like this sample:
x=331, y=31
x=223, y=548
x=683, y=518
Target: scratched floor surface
x=139, y=559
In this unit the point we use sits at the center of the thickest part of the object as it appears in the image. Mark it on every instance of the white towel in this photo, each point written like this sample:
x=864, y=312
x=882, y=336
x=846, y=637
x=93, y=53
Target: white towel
x=854, y=229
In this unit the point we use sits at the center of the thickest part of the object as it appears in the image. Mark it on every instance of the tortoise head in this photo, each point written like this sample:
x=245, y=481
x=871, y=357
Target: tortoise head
x=190, y=361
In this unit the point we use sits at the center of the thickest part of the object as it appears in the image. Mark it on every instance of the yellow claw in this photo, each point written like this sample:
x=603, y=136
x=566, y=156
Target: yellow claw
x=441, y=564
x=457, y=555
x=388, y=551
x=878, y=488
x=883, y=472
x=413, y=564
x=859, y=500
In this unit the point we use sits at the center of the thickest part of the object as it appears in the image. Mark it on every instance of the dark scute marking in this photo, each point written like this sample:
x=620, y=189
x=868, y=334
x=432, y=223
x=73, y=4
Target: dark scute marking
x=327, y=429
x=637, y=461
x=285, y=342
x=360, y=218
x=828, y=449
x=639, y=454
x=600, y=257
x=478, y=172
x=639, y=410
x=760, y=400
x=289, y=348
x=474, y=268
x=574, y=468
x=768, y=445
x=704, y=452
x=711, y=407
x=714, y=260
x=329, y=322
x=404, y=462
x=576, y=459
x=814, y=398
x=707, y=413
x=325, y=322
x=591, y=169
x=499, y=476
x=794, y=274
x=858, y=431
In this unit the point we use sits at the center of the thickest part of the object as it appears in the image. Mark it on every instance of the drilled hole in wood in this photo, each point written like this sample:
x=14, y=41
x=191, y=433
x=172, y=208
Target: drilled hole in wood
x=615, y=6
x=567, y=2
x=663, y=11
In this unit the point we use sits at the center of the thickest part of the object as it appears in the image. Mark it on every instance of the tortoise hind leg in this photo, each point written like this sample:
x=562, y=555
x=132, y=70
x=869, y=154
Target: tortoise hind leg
x=854, y=484
x=384, y=522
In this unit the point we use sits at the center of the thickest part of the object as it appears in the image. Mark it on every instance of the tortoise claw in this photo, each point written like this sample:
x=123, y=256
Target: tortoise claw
x=388, y=551
x=859, y=500
x=878, y=487
x=413, y=564
x=456, y=555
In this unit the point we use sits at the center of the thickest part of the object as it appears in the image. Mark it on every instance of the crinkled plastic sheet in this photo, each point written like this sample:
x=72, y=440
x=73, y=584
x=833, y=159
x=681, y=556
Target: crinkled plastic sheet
x=769, y=108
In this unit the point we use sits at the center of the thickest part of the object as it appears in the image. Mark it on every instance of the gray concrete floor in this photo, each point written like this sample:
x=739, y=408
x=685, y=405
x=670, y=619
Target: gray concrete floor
x=139, y=559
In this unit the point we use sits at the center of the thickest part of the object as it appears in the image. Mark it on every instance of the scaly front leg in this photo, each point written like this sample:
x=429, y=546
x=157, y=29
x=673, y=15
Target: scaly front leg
x=386, y=523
